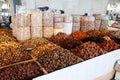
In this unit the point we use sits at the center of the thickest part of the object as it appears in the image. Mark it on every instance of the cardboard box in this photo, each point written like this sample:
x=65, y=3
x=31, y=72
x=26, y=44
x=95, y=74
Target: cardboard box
x=88, y=70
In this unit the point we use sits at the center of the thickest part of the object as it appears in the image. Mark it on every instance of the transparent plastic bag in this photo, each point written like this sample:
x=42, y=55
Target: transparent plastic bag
x=87, y=23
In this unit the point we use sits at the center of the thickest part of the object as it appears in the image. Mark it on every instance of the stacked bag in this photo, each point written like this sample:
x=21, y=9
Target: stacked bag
x=87, y=23
x=58, y=24
x=76, y=23
x=47, y=24
x=36, y=24
x=68, y=23
x=21, y=26
x=104, y=22
x=98, y=18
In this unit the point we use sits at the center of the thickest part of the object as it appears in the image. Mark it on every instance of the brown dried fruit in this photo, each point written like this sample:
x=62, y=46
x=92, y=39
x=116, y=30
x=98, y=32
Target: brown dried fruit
x=24, y=71
x=88, y=50
x=57, y=39
x=58, y=59
x=109, y=45
x=79, y=35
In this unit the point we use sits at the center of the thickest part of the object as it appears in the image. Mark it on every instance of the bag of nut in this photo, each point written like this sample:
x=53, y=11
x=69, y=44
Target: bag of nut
x=47, y=23
x=47, y=32
x=98, y=18
x=14, y=25
x=23, y=19
x=75, y=28
x=76, y=18
x=48, y=16
x=58, y=27
x=23, y=33
x=58, y=18
x=68, y=19
x=67, y=28
x=104, y=22
x=36, y=19
x=87, y=23
x=36, y=32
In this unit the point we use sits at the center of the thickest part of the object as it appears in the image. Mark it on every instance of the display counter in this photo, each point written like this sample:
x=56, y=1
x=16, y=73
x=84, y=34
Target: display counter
x=87, y=70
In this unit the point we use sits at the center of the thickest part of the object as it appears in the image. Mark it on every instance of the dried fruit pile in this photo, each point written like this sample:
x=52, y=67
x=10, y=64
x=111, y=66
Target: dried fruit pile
x=109, y=45
x=88, y=50
x=6, y=35
x=12, y=52
x=5, y=31
x=23, y=71
x=58, y=59
x=93, y=39
x=79, y=35
x=57, y=39
x=65, y=41
x=70, y=43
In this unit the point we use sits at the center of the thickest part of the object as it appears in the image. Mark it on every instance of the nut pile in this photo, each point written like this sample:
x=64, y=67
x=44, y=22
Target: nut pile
x=6, y=35
x=79, y=35
x=109, y=45
x=34, y=43
x=24, y=71
x=88, y=50
x=11, y=45
x=6, y=38
x=43, y=49
x=106, y=38
x=12, y=52
x=58, y=59
x=94, y=33
x=5, y=31
x=105, y=32
x=115, y=34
